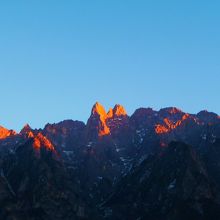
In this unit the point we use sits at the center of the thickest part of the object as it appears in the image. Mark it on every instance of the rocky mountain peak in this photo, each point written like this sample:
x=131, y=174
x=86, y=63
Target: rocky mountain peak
x=42, y=141
x=172, y=110
x=98, y=109
x=97, y=124
x=26, y=129
x=208, y=117
x=110, y=113
x=119, y=110
x=4, y=133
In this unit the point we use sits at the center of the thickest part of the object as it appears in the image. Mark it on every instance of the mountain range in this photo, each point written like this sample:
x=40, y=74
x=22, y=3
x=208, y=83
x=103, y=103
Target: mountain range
x=151, y=165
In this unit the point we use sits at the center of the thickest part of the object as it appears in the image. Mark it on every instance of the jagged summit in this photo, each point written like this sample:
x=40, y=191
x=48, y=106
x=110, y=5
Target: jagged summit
x=98, y=109
x=39, y=140
x=27, y=126
x=119, y=110
x=106, y=123
x=171, y=110
x=208, y=117
x=25, y=129
x=110, y=113
x=205, y=113
x=42, y=141
x=4, y=132
x=97, y=123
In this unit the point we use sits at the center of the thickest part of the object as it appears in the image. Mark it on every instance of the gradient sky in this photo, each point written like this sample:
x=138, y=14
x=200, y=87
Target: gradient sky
x=57, y=58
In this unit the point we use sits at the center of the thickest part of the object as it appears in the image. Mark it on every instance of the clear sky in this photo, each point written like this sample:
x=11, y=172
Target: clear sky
x=57, y=58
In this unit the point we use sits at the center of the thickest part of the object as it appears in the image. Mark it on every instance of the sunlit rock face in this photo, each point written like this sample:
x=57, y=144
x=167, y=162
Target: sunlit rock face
x=4, y=133
x=39, y=140
x=170, y=125
x=119, y=110
x=42, y=141
x=98, y=123
x=110, y=113
x=98, y=109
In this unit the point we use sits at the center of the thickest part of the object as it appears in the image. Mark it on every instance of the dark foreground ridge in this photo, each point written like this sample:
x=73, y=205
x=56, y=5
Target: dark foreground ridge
x=151, y=165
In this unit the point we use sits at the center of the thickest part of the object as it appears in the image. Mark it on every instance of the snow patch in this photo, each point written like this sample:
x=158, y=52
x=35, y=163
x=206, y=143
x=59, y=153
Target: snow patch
x=172, y=185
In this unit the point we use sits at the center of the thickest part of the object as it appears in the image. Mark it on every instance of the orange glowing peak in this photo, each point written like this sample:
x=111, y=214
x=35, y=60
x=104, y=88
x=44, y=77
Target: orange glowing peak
x=119, y=110
x=42, y=141
x=103, y=117
x=110, y=113
x=4, y=133
x=99, y=109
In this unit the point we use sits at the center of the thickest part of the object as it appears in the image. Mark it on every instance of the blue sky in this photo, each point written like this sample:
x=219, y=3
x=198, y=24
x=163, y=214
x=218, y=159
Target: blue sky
x=59, y=57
